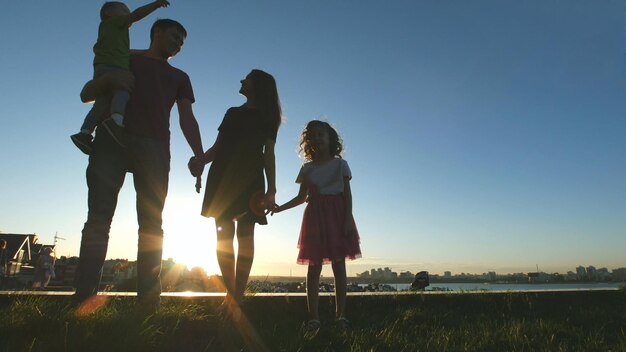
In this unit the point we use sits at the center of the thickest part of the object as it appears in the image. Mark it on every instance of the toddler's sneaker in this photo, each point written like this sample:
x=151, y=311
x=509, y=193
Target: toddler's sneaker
x=83, y=141
x=116, y=131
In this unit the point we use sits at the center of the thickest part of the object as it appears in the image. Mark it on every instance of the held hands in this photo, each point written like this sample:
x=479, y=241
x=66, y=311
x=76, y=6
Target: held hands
x=270, y=202
x=196, y=167
x=275, y=210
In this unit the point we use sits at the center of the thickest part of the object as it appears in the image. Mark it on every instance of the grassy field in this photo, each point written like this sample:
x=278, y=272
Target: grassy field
x=550, y=321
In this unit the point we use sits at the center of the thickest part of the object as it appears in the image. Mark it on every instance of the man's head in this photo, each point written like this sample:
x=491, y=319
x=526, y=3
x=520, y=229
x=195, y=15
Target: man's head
x=167, y=37
x=3, y=244
x=113, y=9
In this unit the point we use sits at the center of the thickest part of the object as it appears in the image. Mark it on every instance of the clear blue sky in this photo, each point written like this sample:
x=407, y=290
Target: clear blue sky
x=482, y=135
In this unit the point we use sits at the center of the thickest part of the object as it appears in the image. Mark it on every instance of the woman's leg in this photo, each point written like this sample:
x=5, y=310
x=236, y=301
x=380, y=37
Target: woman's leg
x=312, y=290
x=225, y=230
x=245, y=257
x=341, y=286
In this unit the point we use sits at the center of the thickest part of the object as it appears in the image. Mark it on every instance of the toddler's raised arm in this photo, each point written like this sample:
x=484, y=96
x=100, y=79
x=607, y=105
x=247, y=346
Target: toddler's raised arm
x=145, y=10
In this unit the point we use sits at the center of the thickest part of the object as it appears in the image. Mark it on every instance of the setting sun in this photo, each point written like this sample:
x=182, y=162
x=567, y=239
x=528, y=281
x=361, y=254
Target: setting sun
x=189, y=237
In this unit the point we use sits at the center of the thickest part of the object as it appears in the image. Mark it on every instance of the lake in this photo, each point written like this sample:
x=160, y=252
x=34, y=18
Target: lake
x=515, y=287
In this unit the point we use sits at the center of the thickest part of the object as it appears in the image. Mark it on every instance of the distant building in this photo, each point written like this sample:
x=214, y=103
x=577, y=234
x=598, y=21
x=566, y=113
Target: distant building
x=619, y=274
x=603, y=274
x=581, y=272
x=381, y=274
x=364, y=275
x=591, y=272
x=447, y=274
x=18, y=250
x=406, y=275
x=65, y=269
x=571, y=276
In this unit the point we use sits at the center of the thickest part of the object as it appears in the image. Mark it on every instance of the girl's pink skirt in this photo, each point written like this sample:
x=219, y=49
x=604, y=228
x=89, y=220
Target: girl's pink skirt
x=323, y=239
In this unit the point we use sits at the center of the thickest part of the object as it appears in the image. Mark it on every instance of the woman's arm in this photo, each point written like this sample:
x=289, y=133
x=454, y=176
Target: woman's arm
x=209, y=155
x=269, y=159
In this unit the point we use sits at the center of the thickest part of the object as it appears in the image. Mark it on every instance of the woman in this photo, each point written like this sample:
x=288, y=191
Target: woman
x=242, y=152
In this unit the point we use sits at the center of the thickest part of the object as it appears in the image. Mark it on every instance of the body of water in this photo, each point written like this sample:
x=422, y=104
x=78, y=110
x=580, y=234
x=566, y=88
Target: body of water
x=458, y=287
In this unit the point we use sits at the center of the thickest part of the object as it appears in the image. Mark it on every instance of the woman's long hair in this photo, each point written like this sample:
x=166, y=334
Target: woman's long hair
x=266, y=93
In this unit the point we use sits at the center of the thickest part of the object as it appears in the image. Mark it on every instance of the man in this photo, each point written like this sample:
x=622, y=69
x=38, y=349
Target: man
x=157, y=86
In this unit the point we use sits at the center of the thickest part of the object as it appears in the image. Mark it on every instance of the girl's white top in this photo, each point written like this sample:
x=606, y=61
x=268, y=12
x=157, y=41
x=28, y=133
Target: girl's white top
x=327, y=176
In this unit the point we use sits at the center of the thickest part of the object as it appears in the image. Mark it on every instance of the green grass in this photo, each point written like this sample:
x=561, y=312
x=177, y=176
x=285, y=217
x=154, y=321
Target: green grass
x=563, y=321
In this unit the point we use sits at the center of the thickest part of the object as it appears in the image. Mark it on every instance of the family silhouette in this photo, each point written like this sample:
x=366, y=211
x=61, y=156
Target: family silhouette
x=134, y=92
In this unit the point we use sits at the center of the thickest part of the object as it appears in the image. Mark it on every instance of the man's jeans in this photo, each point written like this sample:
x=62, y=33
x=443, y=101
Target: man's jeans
x=149, y=161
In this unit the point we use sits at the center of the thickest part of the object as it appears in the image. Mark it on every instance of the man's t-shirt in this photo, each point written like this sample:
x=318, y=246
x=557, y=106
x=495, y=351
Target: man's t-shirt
x=158, y=85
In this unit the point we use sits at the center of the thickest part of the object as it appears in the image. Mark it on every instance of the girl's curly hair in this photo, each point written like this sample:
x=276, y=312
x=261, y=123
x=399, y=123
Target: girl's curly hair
x=335, y=145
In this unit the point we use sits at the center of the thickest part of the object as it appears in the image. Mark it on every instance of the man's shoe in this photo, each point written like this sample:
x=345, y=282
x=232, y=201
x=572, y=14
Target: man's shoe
x=83, y=141
x=116, y=131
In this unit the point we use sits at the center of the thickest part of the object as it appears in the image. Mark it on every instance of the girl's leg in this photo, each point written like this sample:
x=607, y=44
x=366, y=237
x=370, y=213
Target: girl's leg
x=245, y=257
x=225, y=230
x=341, y=286
x=312, y=290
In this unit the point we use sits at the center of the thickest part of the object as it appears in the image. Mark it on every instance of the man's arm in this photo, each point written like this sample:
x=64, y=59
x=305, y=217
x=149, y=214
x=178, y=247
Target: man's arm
x=189, y=126
x=115, y=80
x=145, y=10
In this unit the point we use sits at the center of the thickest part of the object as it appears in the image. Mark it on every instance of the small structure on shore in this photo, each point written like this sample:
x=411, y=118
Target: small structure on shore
x=421, y=281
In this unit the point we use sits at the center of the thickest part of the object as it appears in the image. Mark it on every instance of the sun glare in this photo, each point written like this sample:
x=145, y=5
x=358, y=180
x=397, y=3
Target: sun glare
x=189, y=237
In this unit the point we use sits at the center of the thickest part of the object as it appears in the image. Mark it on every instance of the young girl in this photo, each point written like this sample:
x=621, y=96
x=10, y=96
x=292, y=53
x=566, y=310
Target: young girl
x=328, y=233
